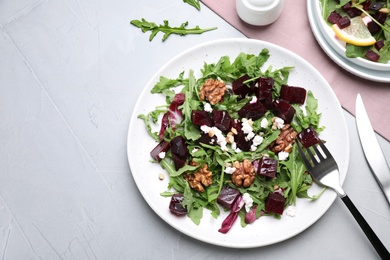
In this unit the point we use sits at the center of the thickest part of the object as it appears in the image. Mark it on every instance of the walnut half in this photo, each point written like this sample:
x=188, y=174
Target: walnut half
x=199, y=179
x=213, y=91
x=244, y=174
x=285, y=140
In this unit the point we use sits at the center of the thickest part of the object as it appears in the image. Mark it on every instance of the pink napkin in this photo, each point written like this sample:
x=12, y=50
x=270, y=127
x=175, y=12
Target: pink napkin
x=292, y=31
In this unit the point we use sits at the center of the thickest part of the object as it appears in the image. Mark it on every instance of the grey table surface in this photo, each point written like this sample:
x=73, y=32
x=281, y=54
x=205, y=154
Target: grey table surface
x=70, y=74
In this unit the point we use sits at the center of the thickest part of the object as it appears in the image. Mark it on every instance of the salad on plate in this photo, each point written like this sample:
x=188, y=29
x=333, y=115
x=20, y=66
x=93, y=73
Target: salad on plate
x=362, y=25
x=227, y=140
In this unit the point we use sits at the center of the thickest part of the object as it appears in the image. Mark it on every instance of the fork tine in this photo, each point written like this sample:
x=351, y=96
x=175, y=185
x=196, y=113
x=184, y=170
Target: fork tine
x=318, y=153
x=312, y=156
x=323, y=147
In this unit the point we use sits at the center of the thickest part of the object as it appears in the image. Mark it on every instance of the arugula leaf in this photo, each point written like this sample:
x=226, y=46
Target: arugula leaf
x=166, y=83
x=194, y=3
x=166, y=29
x=195, y=211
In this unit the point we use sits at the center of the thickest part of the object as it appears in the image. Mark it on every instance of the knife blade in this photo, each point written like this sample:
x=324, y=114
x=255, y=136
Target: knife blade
x=372, y=149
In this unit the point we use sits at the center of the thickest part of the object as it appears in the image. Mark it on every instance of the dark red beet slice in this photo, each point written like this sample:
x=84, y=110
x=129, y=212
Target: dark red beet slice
x=252, y=111
x=373, y=27
x=227, y=197
x=236, y=124
x=178, y=161
x=308, y=137
x=284, y=110
x=379, y=44
x=176, y=206
x=201, y=117
x=206, y=139
x=242, y=142
x=292, y=94
x=380, y=17
x=372, y=55
x=375, y=6
x=162, y=146
x=343, y=22
x=222, y=120
x=275, y=203
x=241, y=89
x=264, y=93
x=267, y=167
x=179, y=151
x=334, y=17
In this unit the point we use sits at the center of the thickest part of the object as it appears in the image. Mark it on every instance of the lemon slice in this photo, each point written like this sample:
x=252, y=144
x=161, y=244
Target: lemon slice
x=356, y=34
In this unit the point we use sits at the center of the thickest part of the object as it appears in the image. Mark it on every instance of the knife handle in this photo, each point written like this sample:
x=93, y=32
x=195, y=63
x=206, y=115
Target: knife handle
x=379, y=247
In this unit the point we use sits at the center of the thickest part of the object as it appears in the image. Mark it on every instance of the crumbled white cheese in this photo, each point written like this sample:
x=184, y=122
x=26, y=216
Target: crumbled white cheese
x=278, y=122
x=247, y=201
x=161, y=155
x=208, y=108
x=257, y=140
x=195, y=150
x=230, y=170
x=291, y=211
x=247, y=126
x=366, y=19
x=282, y=156
x=250, y=135
x=254, y=100
x=235, y=148
x=264, y=123
x=221, y=139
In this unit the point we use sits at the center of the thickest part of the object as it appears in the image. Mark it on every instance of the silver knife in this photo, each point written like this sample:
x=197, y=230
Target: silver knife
x=372, y=149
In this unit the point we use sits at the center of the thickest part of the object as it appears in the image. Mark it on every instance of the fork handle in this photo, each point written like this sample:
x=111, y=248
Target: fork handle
x=379, y=247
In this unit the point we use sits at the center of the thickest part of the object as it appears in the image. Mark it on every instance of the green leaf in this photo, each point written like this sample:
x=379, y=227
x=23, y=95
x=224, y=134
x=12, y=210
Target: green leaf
x=194, y=3
x=166, y=29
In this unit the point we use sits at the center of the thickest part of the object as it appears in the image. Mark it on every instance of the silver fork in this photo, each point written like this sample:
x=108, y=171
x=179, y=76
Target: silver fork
x=324, y=170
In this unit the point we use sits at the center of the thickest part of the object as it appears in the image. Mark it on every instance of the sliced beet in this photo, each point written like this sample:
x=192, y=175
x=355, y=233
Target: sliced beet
x=353, y=12
x=179, y=151
x=162, y=146
x=178, y=161
x=343, y=22
x=206, y=139
x=176, y=205
x=308, y=137
x=275, y=203
x=284, y=110
x=293, y=94
x=222, y=120
x=253, y=110
x=242, y=142
x=373, y=27
x=228, y=196
x=264, y=93
x=334, y=17
x=241, y=89
x=380, y=17
x=201, y=117
x=375, y=6
x=267, y=167
x=372, y=55
x=379, y=44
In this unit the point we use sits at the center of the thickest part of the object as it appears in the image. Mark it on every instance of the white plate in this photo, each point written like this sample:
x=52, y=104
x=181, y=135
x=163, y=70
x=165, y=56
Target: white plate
x=350, y=65
x=338, y=45
x=266, y=230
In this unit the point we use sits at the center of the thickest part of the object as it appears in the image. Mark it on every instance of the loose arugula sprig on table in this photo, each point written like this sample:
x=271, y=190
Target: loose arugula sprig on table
x=291, y=177
x=194, y=3
x=166, y=29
